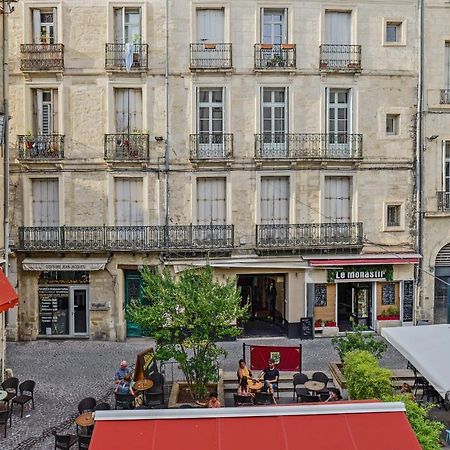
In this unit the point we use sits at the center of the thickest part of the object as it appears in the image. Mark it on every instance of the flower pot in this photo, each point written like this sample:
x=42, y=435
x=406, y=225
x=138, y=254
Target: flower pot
x=330, y=324
x=394, y=317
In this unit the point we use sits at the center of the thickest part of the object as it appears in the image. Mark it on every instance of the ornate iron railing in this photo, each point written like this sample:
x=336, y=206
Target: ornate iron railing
x=305, y=236
x=211, y=56
x=41, y=146
x=118, y=55
x=123, y=146
x=42, y=57
x=443, y=199
x=308, y=145
x=340, y=57
x=211, y=146
x=275, y=56
x=445, y=96
x=132, y=238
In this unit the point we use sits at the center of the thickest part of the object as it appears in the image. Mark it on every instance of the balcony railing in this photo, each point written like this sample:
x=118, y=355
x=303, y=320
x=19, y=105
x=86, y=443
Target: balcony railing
x=309, y=236
x=211, y=146
x=210, y=56
x=42, y=57
x=443, y=199
x=445, y=96
x=132, y=238
x=126, y=57
x=43, y=147
x=275, y=56
x=308, y=146
x=123, y=146
x=334, y=57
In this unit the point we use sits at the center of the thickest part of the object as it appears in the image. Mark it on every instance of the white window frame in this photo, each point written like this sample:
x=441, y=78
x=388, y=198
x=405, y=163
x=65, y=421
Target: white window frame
x=284, y=26
x=400, y=227
x=354, y=21
x=226, y=21
x=143, y=6
x=124, y=9
x=403, y=26
x=395, y=117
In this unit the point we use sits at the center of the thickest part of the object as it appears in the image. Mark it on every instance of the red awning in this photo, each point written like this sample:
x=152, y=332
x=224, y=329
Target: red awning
x=362, y=261
x=8, y=296
x=318, y=427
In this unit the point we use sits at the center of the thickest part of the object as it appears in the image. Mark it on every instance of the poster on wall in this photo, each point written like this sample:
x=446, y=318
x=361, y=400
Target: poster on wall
x=320, y=295
x=388, y=294
x=54, y=310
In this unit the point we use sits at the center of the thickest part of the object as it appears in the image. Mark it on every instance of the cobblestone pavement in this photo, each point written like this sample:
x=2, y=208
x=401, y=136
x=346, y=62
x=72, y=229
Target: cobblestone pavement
x=67, y=371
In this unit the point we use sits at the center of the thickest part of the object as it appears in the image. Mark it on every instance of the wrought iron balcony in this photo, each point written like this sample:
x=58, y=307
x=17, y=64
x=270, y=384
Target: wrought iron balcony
x=445, y=96
x=308, y=146
x=42, y=57
x=309, y=236
x=127, y=147
x=345, y=58
x=275, y=56
x=126, y=57
x=206, y=146
x=41, y=147
x=209, y=56
x=443, y=199
x=127, y=238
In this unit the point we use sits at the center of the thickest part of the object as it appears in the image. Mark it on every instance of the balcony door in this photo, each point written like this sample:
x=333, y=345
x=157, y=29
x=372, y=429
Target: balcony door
x=45, y=202
x=45, y=112
x=128, y=104
x=447, y=69
x=273, y=34
x=129, y=210
x=274, y=122
x=44, y=26
x=339, y=122
x=338, y=27
x=338, y=205
x=210, y=123
x=210, y=33
x=127, y=26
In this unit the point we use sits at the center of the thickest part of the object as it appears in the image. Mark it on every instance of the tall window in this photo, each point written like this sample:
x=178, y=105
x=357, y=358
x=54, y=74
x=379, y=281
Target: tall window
x=274, y=116
x=44, y=26
x=338, y=205
x=210, y=25
x=127, y=26
x=210, y=110
x=338, y=28
x=339, y=121
x=128, y=202
x=273, y=26
x=447, y=68
x=45, y=202
x=446, y=174
x=128, y=104
x=274, y=200
x=45, y=111
x=211, y=201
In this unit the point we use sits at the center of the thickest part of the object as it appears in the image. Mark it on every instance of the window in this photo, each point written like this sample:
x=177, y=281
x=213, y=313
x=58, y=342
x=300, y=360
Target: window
x=128, y=202
x=392, y=124
x=45, y=111
x=45, y=202
x=446, y=177
x=394, y=32
x=210, y=110
x=128, y=103
x=211, y=201
x=44, y=26
x=447, y=72
x=127, y=26
x=210, y=25
x=338, y=28
x=274, y=200
x=339, y=122
x=393, y=215
x=338, y=205
x=273, y=26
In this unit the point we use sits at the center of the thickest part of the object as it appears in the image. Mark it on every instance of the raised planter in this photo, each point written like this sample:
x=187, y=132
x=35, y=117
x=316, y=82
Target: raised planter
x=330, y=330
x=394, y=317
x=385, y=323
x=338, y=378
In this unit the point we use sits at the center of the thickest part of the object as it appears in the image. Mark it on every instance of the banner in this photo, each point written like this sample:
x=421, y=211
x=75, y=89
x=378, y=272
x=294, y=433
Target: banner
x=145, y=365
x=286, y=358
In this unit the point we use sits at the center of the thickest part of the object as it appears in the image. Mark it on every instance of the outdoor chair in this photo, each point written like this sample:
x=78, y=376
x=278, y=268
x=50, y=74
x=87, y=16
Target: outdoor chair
x=299, y=379
x=263, y=398
x=11, y=386
x=65, y=441
x=155, y=395
x=185, y=406
x=103, y=406
x=87, y=404
x=84, y=441
x=153, y=399
x=322, y=378
x=124, y=401
x=26, y=389
x=419, y=381
x=5, y=416
x=242, y=400
x=307, y=398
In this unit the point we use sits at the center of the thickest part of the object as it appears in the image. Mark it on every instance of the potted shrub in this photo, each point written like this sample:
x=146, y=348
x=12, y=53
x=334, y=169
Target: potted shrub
x=276, y=61
x=330, y=323
x=392, y=313
x=318, y=323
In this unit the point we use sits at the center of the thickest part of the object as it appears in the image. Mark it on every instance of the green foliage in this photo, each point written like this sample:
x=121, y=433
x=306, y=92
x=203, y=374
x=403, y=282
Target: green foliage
x=428, y=431
x=187, y=315
x=365, y=378
x=358, y=340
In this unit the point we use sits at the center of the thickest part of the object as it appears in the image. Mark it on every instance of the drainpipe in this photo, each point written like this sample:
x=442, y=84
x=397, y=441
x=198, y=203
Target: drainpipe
x=166, y=145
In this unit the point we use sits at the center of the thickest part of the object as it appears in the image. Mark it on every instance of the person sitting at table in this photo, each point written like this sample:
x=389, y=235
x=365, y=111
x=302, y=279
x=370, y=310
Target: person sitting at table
x=270, y=377
x=124, y=386
x=243, y=388
x=121, y=372
x=213, y=401
x=243, y=370
x=407, y=390
x=335, y=395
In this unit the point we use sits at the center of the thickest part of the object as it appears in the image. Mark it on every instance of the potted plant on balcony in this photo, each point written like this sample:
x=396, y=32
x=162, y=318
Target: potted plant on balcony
x=276, y=61
x=29, y=140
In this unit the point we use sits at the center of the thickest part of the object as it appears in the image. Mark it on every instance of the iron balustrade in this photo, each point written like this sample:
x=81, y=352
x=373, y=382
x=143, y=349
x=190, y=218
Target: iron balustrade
x=340, y=57
x=445, y=96
x=275, y=56
x=124, y=146
x=443, y=199
x=211, y=146
x=117, y=55
x=308, y=146
x=42, y=57
x=208, y=55
x=131, y=238
x=44, y=147
x=309, y=236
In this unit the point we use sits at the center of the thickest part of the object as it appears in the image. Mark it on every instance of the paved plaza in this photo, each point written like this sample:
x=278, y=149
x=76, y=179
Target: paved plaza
x=67, y=371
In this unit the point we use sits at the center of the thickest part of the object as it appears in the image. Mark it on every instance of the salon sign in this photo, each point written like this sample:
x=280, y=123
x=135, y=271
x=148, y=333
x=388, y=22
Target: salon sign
x=360, y=273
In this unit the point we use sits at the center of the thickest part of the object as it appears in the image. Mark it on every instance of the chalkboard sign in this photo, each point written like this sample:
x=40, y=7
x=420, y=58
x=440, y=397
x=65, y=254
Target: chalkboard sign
x=306, y=328
x=320, y=295
x=408, y=301
x=388, y=294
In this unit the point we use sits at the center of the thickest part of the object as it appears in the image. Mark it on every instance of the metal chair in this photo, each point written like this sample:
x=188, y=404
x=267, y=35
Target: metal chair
x=83, y=441
x=103, y=406
x=87, y=404
x=11, y=386
x=243, y=400
x=124, y=401
x=322, y=378
x=26, y=389
x=154, y=397
x=5, y=416
x=263, y=398
x=307, y=398
x=65, y=441
x=299, y=378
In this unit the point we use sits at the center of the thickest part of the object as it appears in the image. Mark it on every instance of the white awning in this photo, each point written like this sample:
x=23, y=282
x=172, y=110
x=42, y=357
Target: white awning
x=426, y=348
x=64, y=264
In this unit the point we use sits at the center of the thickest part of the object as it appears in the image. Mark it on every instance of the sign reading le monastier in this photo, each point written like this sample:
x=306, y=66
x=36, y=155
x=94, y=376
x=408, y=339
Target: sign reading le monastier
x=360, y=273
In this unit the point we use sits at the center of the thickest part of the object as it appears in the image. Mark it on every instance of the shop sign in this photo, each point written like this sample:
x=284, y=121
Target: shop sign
x=359, y=273
x=35, y=264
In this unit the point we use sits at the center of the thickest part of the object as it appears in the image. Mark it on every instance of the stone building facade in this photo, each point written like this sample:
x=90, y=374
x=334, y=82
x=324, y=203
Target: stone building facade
x=273, y=140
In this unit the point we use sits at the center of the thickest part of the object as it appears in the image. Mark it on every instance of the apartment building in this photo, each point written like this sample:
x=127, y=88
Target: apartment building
x=272, y=140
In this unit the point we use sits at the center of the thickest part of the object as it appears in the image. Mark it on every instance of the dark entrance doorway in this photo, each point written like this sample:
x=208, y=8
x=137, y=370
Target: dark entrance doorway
x=354, y=305
x=266, y=297
x=133, y=292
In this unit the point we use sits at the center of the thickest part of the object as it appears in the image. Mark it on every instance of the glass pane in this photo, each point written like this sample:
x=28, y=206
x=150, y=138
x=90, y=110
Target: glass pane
x=342, y=97
x=204, y=96
x=391, y=33
x=79, y=311
x=217, y=113
x=203, y=113
x=217, y=96
x=279, y=96
x=267, y=95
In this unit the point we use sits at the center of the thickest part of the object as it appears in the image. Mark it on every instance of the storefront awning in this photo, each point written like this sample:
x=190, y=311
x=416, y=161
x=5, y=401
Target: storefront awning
x=340, y=426
x=64, y=264
x=8, y=296
x=365, y=261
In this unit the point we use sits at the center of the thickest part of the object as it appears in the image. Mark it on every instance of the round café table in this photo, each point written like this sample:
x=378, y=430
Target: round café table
x=254, y=386
x=3, y=395
x=314, y=386
x=143, y=385
x=85, y=420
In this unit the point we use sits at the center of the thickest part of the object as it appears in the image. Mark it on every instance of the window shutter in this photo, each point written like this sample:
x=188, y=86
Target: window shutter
x=285, y=25
x=54, y=108
x=36, y=26
x=45, y=202
x=447, y=65
x=211, y=201
x=121, y=111
x=135, y=110
x=118, y=25
x=337, y=199
x=39, y=111
x=55, y=26
x=136, y=210
x=129, y=204
x=274, y=200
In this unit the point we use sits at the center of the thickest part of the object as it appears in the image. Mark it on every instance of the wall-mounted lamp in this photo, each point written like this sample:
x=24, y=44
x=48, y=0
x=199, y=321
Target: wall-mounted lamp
x=433, y=138
x=159, y=138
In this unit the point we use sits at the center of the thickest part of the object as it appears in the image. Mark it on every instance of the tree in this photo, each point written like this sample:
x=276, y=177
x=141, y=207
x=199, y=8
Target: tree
x=186, y=316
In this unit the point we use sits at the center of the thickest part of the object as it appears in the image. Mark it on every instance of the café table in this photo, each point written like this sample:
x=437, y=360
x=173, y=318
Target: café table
x=143, y=385
x=314, y=386
x=85, y=420
x=254, y=386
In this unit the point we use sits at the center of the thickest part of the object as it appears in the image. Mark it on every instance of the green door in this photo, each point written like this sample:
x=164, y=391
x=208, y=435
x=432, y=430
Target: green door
x=133, y=291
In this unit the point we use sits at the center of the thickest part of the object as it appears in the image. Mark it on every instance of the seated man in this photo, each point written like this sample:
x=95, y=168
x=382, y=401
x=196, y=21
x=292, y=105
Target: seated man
x=270, y=376
x=121, y=372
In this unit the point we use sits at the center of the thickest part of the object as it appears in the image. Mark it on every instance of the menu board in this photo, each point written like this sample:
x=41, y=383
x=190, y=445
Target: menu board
x=320, y=295
x=388, y=294
x=408, y=301
x=306, y=328
x=54, y=304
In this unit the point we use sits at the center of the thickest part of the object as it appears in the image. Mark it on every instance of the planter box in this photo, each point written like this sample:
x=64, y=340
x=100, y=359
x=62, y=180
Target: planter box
x=330, y=324
x=396, y=317
x=387, y=323
x=287, y=46
x=338, y=378
x=330, y=331
x=266, y=46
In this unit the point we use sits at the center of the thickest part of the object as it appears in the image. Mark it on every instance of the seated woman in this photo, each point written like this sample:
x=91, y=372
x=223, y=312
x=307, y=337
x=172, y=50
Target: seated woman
x=124, y=386
x=243, y=370
x=213, y=401
x=335, y=395
x=243, y=388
